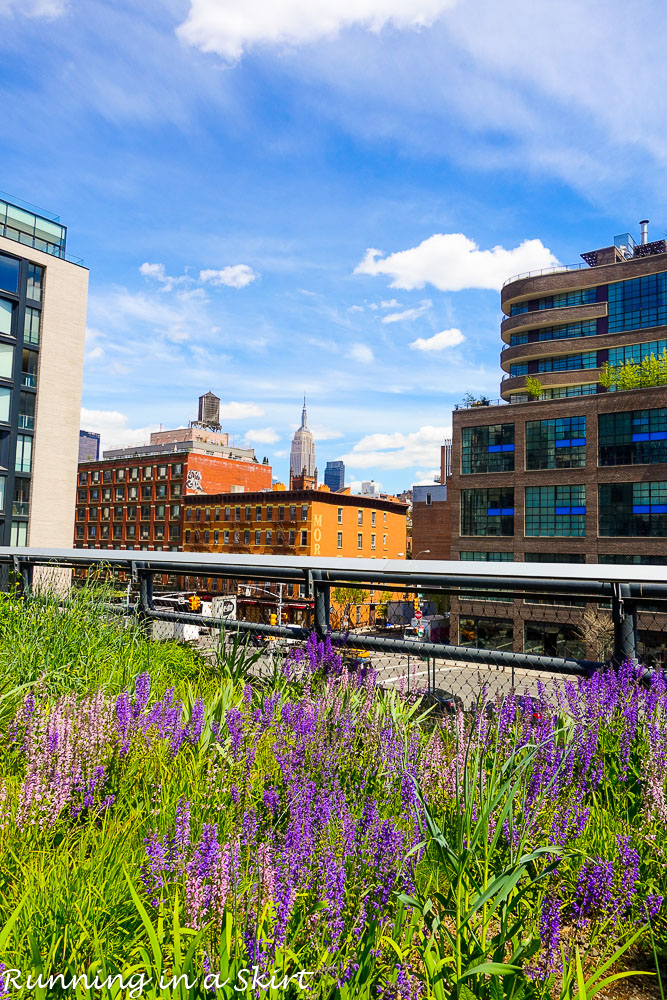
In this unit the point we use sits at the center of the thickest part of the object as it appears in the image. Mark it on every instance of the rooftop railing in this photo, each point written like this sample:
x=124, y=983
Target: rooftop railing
x=546, y=270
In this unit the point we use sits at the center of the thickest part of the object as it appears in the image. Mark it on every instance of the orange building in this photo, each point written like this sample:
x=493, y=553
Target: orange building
x=300, y=523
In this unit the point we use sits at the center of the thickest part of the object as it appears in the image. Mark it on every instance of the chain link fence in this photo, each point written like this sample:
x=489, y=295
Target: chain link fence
x=456, y=636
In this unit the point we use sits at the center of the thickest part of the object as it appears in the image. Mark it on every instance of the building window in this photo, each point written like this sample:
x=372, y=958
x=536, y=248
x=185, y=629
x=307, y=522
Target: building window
x=633, y=509
x=159, y=512
x=133, y=493
x=486, y=633
x=80, y=511
x=83, y=478
x=384, y=541
x=246, y=537
x=161, y=491
x=292, y=538
x=269, y=513
x=131, y=512
x=555, y=557
x=206, y=537
x=120, y=475
x=175, y=510
x=269, y=536
x=162, y=472
x=174, y=532
x=148, y=472
x=372, y=541
x=216, y=537
x=94, y=495
x=547, y=639
x=145, y=513
x=79, y=531
x=187, y=534
x=118, y=513
x=486, y=556
x=117, y=531
x=638, y=303
x=579, y=297
x=556, y=444
x=145, y=531
x=9, y=273
x=6, y=360
x=146, y=492
x=304, y=538
x=23, y=453
x=339, y=542
x=107, y=475
x=106, y=494
x=119, y=493
x=92, y=531
x=237, y=513
x=6, y=314
x=587, y=328
x=82, y=496
x=19, y=533
x=340, y=515
x=635, y=437
x=159, y=532
x=225, y=538
x=258, y=513
x=177, y=469
x=176, y=490
x=487, y=512
x=134, y=474
x=292, y=513
x=216, y=515
x=636, y=352
x=35, y=282
x=556, y=510
x=487, y=449
x=360, y=517
x=373, y=516
x=258, y=538
x=304, y=512
x=360, y=541
x=106, y=513
x=5, y=402
x=281, y=513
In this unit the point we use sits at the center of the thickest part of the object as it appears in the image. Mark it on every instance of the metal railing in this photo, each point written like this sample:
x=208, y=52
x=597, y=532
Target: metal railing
x=546, y=270
x=619, y=600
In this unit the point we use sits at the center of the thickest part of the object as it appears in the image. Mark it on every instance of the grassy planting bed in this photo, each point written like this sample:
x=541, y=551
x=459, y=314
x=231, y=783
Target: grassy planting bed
x=175, y=827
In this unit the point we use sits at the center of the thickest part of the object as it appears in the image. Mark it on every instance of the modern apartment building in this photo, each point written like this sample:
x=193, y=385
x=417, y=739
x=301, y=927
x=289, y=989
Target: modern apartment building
x=43, y=297
x=132, y=498
x=579, y=474
x=334, y=475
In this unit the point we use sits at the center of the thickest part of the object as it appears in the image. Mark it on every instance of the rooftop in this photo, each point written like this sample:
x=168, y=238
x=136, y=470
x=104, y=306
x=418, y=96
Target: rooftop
x=33, y=227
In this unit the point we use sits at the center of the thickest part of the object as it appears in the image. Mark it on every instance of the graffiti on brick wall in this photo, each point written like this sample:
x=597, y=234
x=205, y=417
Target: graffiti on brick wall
x=193, y=481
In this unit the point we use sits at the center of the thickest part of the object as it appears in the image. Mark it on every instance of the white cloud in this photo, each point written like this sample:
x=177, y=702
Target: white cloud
x=230, y=28
x=361, y=353
x=240, y=411
x=114, y=428
x=398, y=450
x=48, y=9
x=322, y=433
x=261, y=435
x=439, y=341
x=426, y=477
x=390, y=304
x=452, y=262
x=408, y=314
x=234, y=276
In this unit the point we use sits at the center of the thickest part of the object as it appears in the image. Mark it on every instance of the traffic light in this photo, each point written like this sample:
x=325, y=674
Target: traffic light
x=195, y=602
x=273, y=619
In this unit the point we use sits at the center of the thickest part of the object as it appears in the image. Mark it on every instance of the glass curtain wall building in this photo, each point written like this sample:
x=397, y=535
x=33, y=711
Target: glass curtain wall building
x=42, y=330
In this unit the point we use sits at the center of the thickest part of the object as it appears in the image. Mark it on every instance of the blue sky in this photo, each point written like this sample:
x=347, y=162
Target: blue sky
x=224, y=169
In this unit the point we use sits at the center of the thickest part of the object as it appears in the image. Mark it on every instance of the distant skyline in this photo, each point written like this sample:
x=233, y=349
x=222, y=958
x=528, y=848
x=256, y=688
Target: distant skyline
x=271, y=204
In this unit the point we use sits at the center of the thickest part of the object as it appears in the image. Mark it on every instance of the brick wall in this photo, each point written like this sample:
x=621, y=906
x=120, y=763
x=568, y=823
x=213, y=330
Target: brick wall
x=221, y=475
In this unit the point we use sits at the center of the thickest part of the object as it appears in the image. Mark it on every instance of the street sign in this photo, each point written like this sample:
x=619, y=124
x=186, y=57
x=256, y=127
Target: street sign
x=418, y=615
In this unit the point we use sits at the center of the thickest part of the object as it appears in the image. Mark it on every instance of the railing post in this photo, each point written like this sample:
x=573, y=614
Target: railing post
x=322, y=603
x=23, y=576
x=624, y=617
x=145, y=603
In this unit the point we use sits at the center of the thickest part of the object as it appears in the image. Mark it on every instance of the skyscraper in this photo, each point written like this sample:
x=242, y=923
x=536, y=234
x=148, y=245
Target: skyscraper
x=334, y=475
x=302, y=454
x=43, y=295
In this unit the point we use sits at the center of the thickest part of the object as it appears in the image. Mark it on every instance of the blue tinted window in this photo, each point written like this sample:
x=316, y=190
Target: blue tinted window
x=638, y=303
x=556, y=510
x=9, y=274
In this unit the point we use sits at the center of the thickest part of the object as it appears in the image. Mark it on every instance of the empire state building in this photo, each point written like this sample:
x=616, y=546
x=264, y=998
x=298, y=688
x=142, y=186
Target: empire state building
x=302, y=456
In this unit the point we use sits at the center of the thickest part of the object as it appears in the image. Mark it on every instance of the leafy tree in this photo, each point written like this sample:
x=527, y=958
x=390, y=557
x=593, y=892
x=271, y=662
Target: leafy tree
x=349, y=595
x=533, y=387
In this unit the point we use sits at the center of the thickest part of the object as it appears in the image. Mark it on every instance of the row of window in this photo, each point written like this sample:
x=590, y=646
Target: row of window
x=578, y=297
x=632, y=437
x=118, y=531
x=624, y=510
x=246, y=537
x=261, y=513
x=559, y=363
x=131, y=474
x=120, y=493
x=161, y=512
x=558, y=392
x=585, y=328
